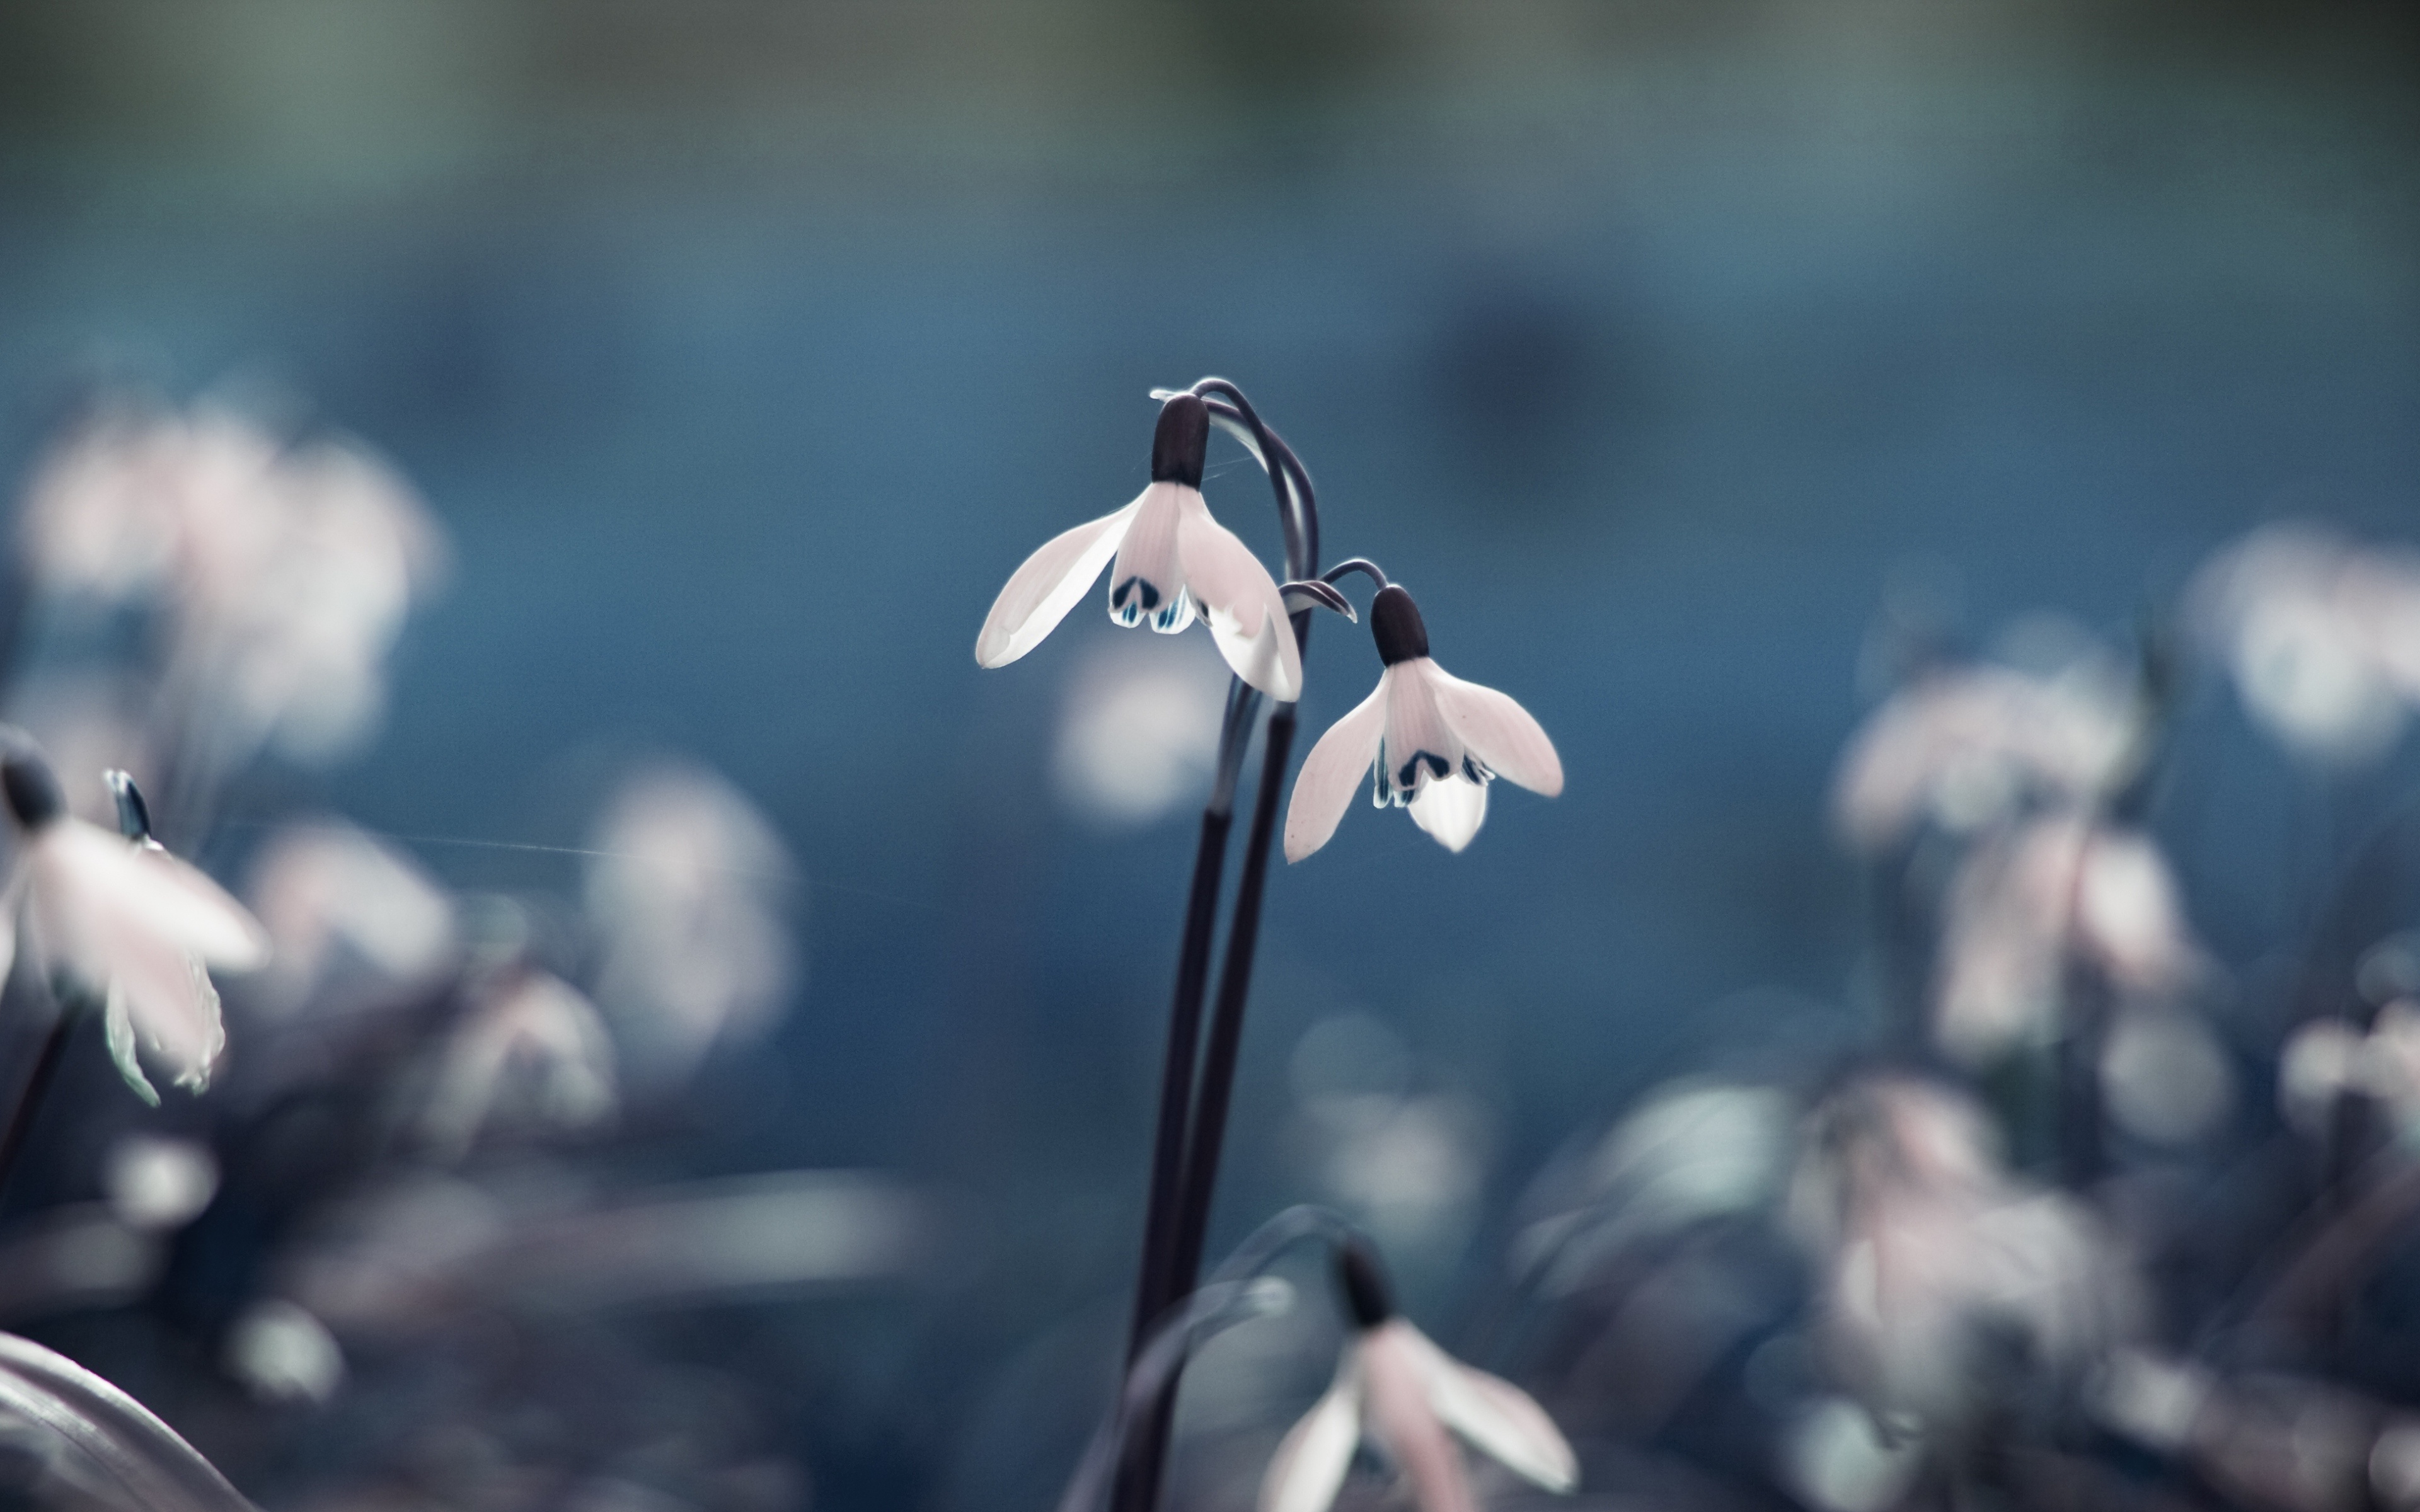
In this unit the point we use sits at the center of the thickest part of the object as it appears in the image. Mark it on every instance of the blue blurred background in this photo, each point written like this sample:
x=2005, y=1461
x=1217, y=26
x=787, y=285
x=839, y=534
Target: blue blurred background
x=745, y=347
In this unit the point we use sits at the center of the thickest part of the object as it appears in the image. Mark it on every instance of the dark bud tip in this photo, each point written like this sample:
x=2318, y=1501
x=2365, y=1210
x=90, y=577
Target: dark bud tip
x=1367, y=1296
x=33, y=791
x=1395, y=625
x=133, y=814
x=1182, y=440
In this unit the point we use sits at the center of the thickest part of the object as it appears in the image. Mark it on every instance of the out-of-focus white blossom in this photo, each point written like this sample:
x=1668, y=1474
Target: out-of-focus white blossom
x=1966, y=749
x=1138, y=735
x=1839, y=1459
x=1400, y=1392
x=531, y=1047
x=327, y=891
x=1928, y=1249
x=2032, y=898
x=2164, y=1075
x=692, y=891
x=126, y=921
x=156, y=1185
x=2322, y=638
x=2328, y=1057
x=283, y=1354
x=1692, y=1150
x=286, y=573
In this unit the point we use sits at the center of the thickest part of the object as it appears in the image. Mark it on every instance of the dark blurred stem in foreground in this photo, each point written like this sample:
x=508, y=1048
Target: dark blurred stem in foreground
x=29, y=1102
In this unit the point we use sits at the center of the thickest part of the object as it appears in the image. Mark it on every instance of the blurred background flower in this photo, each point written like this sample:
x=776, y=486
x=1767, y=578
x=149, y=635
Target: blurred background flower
x=1725, y=375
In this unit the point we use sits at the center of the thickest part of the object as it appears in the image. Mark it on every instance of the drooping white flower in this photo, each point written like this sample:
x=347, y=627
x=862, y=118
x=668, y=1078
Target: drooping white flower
x=342, y=903
x=1173, y=562
x=2037, y=896
x=2322, y=637
x=286, y=572
x=1432, y=742
x=1931, y=1251
x=1400, y=1392
x=690, y=889
x=1964, y=749
x=126, y=922
x=532, y=1043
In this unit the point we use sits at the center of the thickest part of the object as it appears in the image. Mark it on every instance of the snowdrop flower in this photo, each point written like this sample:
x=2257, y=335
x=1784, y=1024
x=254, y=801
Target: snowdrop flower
x=122, y=920
x=1963, y=749
x=1403, y=1392
x=1172, y=562
x=691, y=887
x=2038, y=896
x=1930, y=1251
x=2322, y=638
x=1431, y=741
x=342, y=904
x=532, y=1045
x=2328, y=1057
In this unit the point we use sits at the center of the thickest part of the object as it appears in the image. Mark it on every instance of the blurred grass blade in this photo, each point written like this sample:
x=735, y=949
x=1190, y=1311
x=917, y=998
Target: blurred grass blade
x=122, y=1454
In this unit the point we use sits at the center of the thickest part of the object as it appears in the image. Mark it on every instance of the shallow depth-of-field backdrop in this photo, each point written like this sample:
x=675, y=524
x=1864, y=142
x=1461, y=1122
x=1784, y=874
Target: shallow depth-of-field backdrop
x=742, y=350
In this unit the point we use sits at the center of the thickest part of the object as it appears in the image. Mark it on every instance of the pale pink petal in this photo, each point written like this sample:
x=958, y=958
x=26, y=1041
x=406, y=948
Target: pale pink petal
x=1323, y=790
x=117, y=1032
x=1147, y=585
x=170, y=1008
x=1450, y=809
x=1247, y=614
x=1496, y=1416
x=1406, y=1425
x=1309, y=1465
x=106, y=890
x=1040, y=593
x=1495, y=730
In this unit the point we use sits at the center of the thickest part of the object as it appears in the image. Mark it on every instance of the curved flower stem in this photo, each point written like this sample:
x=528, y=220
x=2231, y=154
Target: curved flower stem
x=1235, y=1293
x=1209, y=1311
x=1363, y=565
x=1138, y=1483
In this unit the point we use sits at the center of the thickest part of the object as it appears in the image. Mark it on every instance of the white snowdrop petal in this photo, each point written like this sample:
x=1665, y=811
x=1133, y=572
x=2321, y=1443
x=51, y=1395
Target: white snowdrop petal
x=1247, y=614
x=1147, y=581
x=1323, y=790
x=117, y=1030
x=1404, y=1421
x=1450, y=809
x=1496, y=730
x=1499, y=1417
x=174, y=1009
x=1309, y=1465
x=148, y=891
x=1040, y=593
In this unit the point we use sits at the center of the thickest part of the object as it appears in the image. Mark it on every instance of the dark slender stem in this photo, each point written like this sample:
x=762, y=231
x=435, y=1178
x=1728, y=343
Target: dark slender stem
x=1186, y=1116
x=1203, y=1146
x=29, y=1102
x=1140, y=1488
x=1152, y=1287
